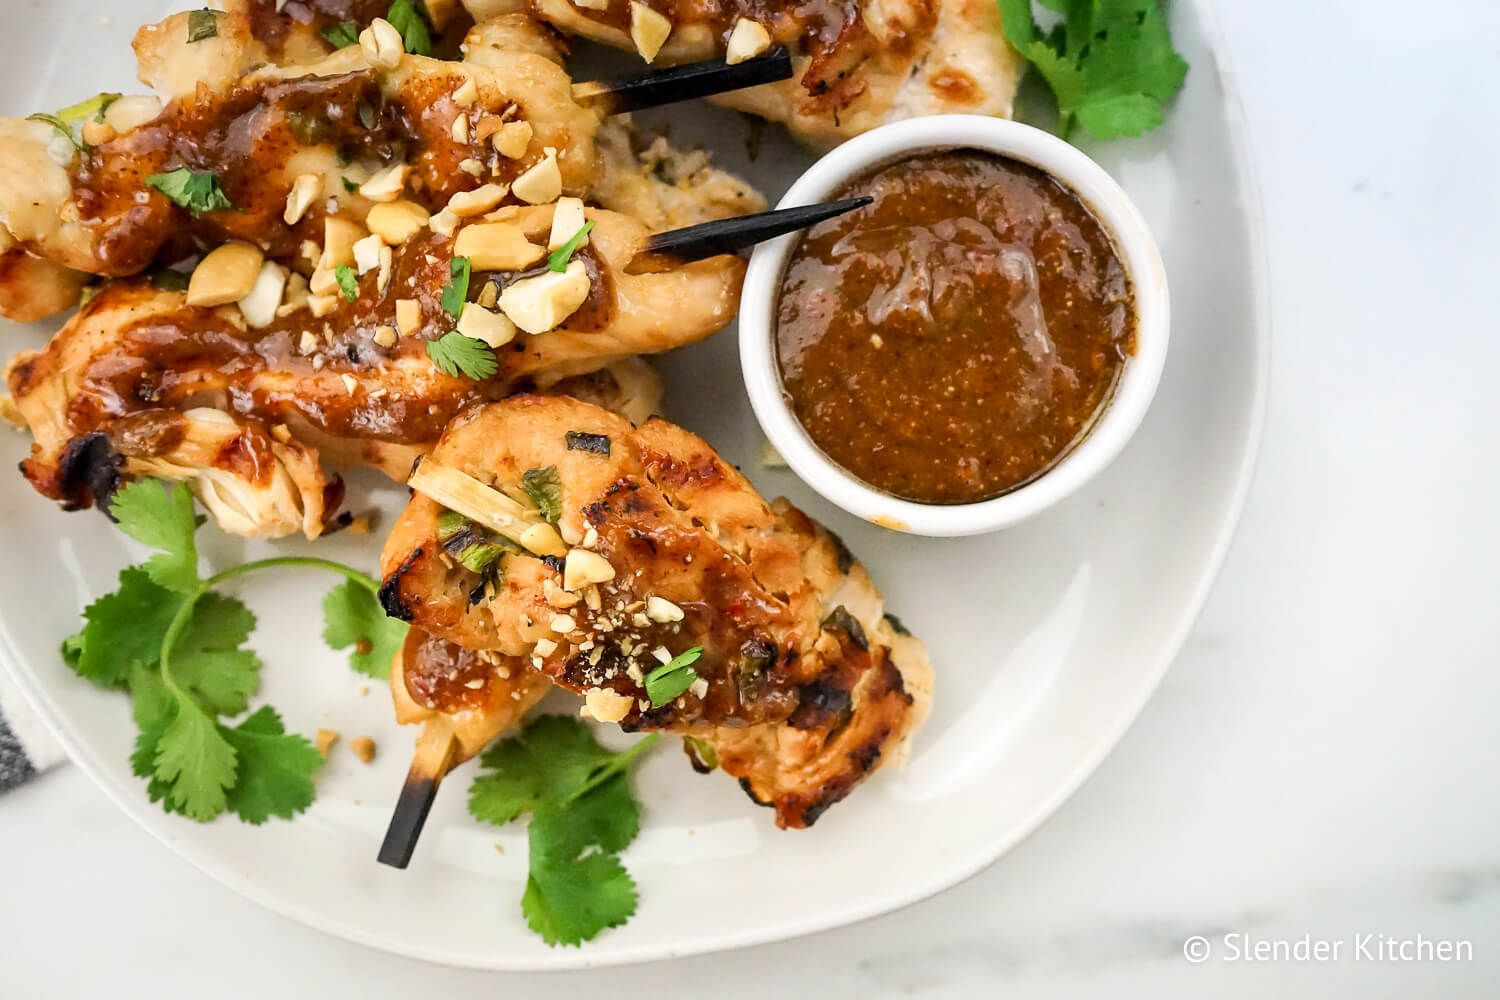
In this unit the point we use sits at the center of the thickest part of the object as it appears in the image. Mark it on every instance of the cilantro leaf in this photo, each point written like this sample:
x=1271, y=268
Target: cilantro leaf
x=407, y=17
x=545, y=490
x=551, y=760
x=558, y=261
x=122, y=629
x=275, y=773
x=456, y=292
x=608, y=817
x=673, y=677
x=150, y=700
x=207, y=660
x=198, y=191
x=348, y=282
x=341, y=35
x=1110, y=63
x=202, y=24
x=582, y=814
x=161, y=517
x=143, y=758
x=454, y=353
x=571, y=902
x=192, y=760
x=352, y=616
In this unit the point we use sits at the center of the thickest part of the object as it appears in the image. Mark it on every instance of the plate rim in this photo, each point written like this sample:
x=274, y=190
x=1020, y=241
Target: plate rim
x=939, y=881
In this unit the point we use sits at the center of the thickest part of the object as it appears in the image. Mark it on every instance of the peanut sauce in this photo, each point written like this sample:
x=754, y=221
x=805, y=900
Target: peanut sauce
x=956, y=338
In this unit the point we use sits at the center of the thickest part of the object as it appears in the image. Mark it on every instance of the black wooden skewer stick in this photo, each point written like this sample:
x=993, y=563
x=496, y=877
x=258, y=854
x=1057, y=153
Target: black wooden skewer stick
x=683, y=83
x=431, y=762
x=709, y=239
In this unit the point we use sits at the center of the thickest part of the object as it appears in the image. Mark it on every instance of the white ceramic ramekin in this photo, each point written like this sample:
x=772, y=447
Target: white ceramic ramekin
x=1122, y=414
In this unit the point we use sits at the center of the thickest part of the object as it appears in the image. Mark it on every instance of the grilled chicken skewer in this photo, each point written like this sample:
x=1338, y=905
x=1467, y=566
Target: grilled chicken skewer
x=284, y=147
x=857, y=64
x=140, y=382
x=803, y=686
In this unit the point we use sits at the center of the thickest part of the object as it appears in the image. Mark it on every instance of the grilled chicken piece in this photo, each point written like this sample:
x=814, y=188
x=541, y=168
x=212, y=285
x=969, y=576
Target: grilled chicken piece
x=664, y=547
x=275, y=124
x=141, y=383
x=858, y=64
x=260, y=129
x=471, y=697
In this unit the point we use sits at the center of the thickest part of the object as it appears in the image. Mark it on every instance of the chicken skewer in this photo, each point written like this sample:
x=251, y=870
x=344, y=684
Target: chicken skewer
x=659, y=549
x=857, y=64
x=276, y=151
x=144, y=382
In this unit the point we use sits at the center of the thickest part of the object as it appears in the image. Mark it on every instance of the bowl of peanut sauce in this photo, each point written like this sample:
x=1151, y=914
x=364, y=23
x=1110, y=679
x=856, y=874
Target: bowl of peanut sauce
x=970, y=347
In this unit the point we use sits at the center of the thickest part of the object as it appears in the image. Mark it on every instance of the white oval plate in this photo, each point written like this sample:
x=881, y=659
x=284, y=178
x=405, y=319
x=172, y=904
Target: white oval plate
x=1047, y=638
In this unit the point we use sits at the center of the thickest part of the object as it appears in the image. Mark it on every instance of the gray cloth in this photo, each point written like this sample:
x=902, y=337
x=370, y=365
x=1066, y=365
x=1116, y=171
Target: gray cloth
x=15, y=767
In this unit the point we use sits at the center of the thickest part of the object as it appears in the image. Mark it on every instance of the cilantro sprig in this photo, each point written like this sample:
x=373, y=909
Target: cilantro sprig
x=1110, y=63
x=455, y=353
x=176, y=645
x=198, y=191
x=673, y=677
x=583, y=815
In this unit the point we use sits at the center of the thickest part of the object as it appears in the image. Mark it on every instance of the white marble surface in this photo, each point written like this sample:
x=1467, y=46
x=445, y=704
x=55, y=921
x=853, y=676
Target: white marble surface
x=1321, y=761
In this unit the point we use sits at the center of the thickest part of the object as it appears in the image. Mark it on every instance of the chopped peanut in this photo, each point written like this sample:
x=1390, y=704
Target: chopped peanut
x=305, y=191
x=395, y=222
x=542, y=303
x=496, y=246
x=567, y=220
x=605, y=705
x=381, y=43
x=748, y=40
x=512, y=139
x=339, y=237
x=541, y=182
x=492, y=328
x=583, y=567
x=648, y=30
x=226, y=275
x=478, y=201
x=363, y=747
x=387, y=184
x=543, y=540
x=260, y=305
x=408, y=316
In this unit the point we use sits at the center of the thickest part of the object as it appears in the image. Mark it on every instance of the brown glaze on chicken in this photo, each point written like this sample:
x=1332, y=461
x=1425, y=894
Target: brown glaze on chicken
x=475, y=695
x=796, y=683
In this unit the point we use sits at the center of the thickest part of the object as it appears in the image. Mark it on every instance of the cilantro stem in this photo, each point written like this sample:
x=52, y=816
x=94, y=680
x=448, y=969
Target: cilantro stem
x=614, y=767
x=185, y=613
x=310, y=562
